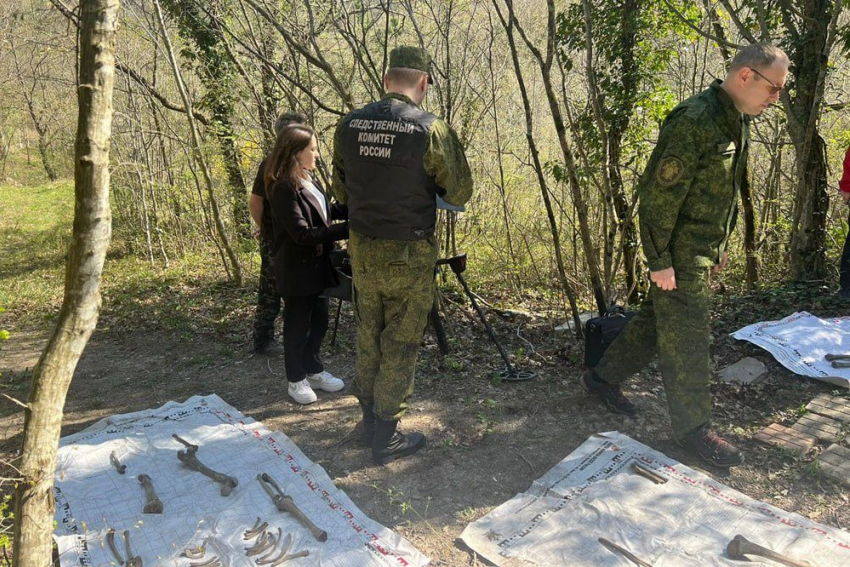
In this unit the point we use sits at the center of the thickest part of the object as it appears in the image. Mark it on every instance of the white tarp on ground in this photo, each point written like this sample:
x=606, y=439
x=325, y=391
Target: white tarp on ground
x=800, y=341
x=92, y=497
x=687, y=521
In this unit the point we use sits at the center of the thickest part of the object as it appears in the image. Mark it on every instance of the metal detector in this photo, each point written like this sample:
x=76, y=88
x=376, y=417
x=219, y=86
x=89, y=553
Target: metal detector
x=509, y=373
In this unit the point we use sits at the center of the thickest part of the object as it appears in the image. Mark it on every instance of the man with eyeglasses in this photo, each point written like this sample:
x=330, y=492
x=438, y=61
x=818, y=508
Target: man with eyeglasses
x=688, y=207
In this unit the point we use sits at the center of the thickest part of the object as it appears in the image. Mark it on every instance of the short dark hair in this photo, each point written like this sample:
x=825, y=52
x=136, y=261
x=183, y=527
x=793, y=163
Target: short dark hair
x=404, y=77
x=757, y=55
x=283, y=159
x=287, y=119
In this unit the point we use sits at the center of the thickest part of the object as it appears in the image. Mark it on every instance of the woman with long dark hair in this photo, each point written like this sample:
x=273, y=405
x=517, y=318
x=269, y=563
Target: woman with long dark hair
x=304, y=235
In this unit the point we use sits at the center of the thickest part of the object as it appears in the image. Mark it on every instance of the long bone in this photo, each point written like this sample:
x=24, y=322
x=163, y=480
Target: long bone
x=153, y=505
x=188, y=458
x=285, y=503
x=113, y=459
x=740, y=547
x=132, y=560
x=110, y=541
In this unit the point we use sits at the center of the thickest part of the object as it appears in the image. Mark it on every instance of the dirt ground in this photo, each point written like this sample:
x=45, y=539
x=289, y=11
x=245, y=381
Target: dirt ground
x=487, y=441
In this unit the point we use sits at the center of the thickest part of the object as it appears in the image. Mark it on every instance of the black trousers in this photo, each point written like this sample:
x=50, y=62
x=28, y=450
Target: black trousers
x=305, y=322
x=844, y=269
x=268, y=299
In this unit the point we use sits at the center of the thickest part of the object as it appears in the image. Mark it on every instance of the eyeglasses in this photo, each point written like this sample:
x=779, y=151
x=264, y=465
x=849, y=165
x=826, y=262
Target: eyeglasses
x=774, y=88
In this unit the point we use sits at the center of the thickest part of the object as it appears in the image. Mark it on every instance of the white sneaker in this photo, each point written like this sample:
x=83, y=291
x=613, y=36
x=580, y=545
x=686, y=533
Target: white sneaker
x=301, y=392
x=325, y=381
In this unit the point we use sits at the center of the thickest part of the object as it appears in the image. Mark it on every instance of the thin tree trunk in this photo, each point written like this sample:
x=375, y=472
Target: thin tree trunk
x=508, y=25
x=40, y=129
x=749, y=232
x=810, y=57
x=199, y=154
x=34, y=504
x=512, y=256
x=545, y=63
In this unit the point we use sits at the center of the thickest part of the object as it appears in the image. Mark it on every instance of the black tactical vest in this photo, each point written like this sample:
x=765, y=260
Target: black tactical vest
x=389, y=194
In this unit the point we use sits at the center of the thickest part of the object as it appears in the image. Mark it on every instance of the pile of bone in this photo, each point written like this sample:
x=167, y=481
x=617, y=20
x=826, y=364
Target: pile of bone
x=268, y=549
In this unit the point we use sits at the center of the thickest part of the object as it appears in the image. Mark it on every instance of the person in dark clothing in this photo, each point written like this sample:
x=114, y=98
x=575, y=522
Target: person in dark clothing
x=304, y=236
x=268, y=299
x=844, y=187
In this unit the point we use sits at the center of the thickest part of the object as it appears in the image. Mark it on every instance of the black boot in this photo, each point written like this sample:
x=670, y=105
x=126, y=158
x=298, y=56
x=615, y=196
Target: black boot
x=365, y=428
x=609, y=394
x=389, y=444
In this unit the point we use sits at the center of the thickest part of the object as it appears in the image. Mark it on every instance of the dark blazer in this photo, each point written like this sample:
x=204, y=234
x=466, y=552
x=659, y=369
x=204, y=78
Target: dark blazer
x=303, y=240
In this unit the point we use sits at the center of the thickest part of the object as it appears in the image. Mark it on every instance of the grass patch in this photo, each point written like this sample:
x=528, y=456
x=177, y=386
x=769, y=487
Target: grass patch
x=191, y=295
x=35, y=229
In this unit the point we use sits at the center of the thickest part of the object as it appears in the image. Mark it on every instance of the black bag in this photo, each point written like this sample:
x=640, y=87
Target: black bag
x=600, y=332
x=342, y=270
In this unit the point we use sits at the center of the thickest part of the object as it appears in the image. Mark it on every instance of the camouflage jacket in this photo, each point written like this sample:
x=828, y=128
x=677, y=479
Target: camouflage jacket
x=689, y=191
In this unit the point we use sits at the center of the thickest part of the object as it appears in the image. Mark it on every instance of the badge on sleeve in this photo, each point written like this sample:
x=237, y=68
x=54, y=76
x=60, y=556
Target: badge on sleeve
x=669, y=171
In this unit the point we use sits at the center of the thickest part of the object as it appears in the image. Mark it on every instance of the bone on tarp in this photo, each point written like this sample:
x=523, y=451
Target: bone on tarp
x=256, y=530
x=195, y=553
x=269, y=542
x=188, y=458
x=113, y=459
x=832, y=357
x=269, y=550
x=110, y=541
x=613, y=547
x=261, y=541
x=284, y=549
x=153, y=505
x=648, y=473
x=285, y=503
x=740, y=547
x=132, y=560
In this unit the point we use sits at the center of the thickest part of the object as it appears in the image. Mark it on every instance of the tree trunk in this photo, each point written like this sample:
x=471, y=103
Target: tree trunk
x=236, y=274
x=749, y=232
x=810, y=57
x=40, y=129
x=200, y=25
x=77, y=319
x=508, y=24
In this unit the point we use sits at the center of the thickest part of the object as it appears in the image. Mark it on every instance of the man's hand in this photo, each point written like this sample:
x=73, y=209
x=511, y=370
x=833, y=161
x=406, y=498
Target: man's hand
x=722, y=264
x=845, y=196
x=664, y=279
x=257, y=232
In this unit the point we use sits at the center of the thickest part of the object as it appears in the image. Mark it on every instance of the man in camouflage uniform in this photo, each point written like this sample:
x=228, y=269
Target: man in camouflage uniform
x=268, y=298
x=688, y=207
x=391, y=160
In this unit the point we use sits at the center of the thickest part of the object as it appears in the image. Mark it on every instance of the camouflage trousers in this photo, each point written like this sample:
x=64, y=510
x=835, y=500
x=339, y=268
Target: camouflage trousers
x=675, y=326
x=393, y=291
x=268, y=298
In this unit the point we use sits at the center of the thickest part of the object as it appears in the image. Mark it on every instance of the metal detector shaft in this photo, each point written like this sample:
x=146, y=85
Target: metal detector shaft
x=486, y=323
x=336, y=322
